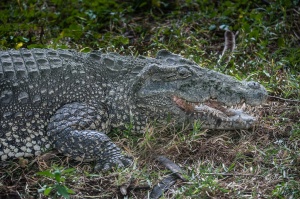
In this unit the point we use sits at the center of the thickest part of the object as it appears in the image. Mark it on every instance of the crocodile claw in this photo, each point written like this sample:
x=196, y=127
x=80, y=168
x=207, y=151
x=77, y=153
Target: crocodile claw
x=114, y=162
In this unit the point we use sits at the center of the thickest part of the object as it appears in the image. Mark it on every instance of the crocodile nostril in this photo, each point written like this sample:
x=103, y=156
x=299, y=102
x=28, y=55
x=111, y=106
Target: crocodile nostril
x=253, y=85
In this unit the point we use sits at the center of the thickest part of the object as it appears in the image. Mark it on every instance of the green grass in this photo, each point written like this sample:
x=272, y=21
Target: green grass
x=58, y=177
x=260, y=163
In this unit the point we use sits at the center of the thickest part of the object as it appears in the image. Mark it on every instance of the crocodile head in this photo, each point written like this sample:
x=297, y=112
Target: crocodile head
x=187, y=92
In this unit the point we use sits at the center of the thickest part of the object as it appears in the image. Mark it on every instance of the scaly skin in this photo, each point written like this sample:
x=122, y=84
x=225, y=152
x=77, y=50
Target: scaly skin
x=70, y=100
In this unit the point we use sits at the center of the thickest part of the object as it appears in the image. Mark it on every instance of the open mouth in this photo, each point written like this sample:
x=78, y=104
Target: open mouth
x=215, y=113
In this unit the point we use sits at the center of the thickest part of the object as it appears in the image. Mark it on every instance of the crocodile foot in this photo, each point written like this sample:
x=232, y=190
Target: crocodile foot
x=115, y=161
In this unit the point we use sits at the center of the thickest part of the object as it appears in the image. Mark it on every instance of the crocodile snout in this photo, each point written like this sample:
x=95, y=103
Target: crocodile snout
x=256, y=94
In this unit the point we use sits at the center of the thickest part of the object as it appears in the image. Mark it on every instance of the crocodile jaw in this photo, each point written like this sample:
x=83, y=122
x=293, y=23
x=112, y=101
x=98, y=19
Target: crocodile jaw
x=214, y=116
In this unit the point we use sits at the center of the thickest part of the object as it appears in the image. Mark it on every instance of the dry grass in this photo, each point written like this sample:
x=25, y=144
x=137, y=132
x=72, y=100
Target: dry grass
x=219, y=164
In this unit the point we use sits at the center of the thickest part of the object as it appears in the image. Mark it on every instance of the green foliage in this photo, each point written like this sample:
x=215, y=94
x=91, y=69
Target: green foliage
x=58, y=188
x=33, y=23
x=142, y=5
x=290, y=189
x=202, y=185
x=295, y=134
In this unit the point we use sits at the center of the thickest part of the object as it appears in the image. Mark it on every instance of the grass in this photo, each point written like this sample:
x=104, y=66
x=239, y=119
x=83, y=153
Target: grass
x=262, y=162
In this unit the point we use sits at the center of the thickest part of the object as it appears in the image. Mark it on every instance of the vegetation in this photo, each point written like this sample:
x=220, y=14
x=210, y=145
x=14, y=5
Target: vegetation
x=260, y=163
x=58, y=188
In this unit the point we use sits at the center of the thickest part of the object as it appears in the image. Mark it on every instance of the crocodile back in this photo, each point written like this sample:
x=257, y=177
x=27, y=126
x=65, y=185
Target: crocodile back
x=33, y=85
x=35, y=63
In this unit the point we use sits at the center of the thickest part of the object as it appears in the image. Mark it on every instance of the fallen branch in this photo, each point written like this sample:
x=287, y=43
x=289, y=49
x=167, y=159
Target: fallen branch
x=168, y=181
x=229, y=47
x=283, y=99
x=172, y=167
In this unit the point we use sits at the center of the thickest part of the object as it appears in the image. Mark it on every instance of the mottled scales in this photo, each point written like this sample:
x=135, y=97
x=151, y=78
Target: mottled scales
x=68, y=100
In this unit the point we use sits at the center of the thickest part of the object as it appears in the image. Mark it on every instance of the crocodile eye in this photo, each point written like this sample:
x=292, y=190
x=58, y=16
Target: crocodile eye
x=183, y=72
x=253, y=85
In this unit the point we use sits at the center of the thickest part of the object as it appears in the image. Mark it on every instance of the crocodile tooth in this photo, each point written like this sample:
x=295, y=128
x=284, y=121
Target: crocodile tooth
x=243, y=107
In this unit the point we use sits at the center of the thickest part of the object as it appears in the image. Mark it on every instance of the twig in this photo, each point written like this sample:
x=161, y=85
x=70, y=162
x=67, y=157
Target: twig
x=296, y=11
x=163, y=186
x=229, y=42
x=171, y=166
x=168, y=181
x=296, y=34
x=124, y=187
x=232, y=174
x=139, y=187
x=229, y=46
x=283, y=99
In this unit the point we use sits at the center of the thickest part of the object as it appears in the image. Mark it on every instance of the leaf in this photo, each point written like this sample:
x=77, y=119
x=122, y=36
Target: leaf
x=46, y=173
x=70, y=191
x=42, y=189
x=281, y=42
x=57, y=175
x=62, y=190
x=231, y=167
x=70, y=170
x=212, y=27
x=19, y=45
x=85, y=50
x=266, y=73
x=25, y=39
x=36, y=46
x=224, y=27
x=47, y=191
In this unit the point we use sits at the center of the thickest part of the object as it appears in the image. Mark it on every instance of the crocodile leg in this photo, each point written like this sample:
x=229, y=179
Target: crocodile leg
x=75, y=131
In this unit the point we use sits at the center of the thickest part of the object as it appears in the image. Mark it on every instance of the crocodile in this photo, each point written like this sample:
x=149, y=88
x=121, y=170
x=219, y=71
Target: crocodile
x=69, y=101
